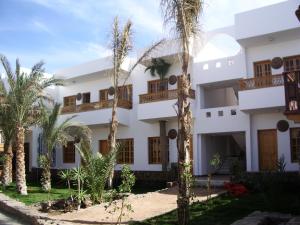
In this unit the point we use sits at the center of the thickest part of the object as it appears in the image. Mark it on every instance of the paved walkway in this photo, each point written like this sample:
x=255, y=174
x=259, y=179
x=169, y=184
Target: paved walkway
x=10, y=220
x=144, y=205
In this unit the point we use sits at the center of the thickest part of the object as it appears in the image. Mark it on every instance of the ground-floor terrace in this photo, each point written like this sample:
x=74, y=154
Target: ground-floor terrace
x=258, y=148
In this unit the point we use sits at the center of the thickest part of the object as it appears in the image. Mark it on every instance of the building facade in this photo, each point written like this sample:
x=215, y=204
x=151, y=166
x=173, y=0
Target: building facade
x=239, y=103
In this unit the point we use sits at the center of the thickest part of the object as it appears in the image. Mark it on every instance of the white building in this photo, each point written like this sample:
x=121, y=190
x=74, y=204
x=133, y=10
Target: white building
x=237, y=101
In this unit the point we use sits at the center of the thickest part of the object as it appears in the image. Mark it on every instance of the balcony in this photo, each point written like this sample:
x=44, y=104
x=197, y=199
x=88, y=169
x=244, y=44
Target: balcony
x=292, y=94
x=160, y=105
x=97, y=113
x=262, y=93
x=162, y=96
x=261, y=82
x=95, y=106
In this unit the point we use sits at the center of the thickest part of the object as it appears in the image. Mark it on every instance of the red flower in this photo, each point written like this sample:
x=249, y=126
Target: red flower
x=235, y=189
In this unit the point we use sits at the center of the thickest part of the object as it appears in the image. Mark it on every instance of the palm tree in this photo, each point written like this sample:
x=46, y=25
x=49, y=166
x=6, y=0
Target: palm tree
x=26, y=91
x=183, y=15
x=7, y=132
x=159, y=67
x=53, y=135
x=121, y=45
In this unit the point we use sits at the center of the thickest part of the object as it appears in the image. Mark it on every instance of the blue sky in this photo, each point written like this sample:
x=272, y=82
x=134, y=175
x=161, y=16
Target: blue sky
x=67, y=32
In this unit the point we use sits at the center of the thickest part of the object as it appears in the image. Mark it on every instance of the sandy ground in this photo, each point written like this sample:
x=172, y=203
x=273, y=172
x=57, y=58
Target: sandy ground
x=144, y=206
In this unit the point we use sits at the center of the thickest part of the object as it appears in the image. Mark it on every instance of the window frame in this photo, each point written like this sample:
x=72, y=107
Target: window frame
x=86, y=96
x=151, y=152
x=66, y=155
x=154, y=86
x=67, y=100
x=294, y=60
x=294, y=160
x=262, y=73
x=122, y=158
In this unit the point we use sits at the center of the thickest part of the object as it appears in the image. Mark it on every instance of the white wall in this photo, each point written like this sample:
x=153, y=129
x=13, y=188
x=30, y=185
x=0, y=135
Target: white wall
x=262, y=98
x=269, y=121
x=267, y=20
x=219, y=97
x=276, y=48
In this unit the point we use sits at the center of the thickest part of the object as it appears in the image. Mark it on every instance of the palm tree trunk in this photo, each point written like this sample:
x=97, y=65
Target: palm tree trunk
x=183, y=141
x=20, y=161
x=46, y=175
x=7, y=167
x=112, y=134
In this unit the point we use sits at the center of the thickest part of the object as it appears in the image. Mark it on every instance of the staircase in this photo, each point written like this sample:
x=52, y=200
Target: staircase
x=240, y=140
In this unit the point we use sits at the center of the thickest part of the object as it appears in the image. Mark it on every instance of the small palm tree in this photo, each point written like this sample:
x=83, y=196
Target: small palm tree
x=158, y=67
x=7, y=131
x=26, y=91
x=56, y=134
x=183, y=15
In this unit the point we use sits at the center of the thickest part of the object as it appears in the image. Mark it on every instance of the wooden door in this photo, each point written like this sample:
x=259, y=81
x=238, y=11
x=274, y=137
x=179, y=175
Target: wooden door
x=267, y=142
x=103, y=147
x=262, y=73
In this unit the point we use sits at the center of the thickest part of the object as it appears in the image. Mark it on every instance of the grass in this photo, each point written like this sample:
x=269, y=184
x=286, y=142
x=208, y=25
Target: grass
x=36, y=194
x=225, y=210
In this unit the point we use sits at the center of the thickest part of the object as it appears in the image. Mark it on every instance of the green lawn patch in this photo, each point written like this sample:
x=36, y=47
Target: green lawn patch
x=224, y=210
x=36, y=194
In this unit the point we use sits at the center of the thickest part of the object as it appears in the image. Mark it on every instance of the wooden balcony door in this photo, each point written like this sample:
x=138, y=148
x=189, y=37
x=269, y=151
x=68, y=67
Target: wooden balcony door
x=263, y=73
x=267, y=143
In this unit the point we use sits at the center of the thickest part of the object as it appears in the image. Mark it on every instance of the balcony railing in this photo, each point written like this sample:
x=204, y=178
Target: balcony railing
x=292, y=92
x=261, y=82
x=103, y=104
x=162, y=95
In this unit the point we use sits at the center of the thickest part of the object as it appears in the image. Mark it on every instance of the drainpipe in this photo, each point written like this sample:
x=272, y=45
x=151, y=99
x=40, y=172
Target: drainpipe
x=163, y=145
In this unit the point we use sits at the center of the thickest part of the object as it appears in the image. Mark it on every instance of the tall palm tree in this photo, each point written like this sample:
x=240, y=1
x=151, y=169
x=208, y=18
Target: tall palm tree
x=7, y=131
x=121, y=45
x=26, y=91
x=183, y=15
x=56, y=134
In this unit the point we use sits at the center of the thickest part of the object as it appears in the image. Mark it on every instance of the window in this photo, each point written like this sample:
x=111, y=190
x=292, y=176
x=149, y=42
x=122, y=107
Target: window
x=125, y=155
x=154, y=150
x=220, y=113
x=262, y=68
x=155, y=86
x=69, y=152
x=70, y=101
x=295, y=143
x=125, y=92
x=86, y=97
x=103, y=147
x=103, y=95
x=291, y=63
x=208, y=114
x=233, y=112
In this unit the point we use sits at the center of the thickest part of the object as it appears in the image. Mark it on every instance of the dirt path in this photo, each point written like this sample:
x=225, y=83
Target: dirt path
x=144, y=205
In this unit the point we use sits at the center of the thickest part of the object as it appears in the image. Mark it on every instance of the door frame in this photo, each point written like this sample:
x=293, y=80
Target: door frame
x=258, y=142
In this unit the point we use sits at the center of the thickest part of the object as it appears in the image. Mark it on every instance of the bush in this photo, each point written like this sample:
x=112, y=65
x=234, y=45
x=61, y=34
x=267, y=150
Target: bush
x=269, y=181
